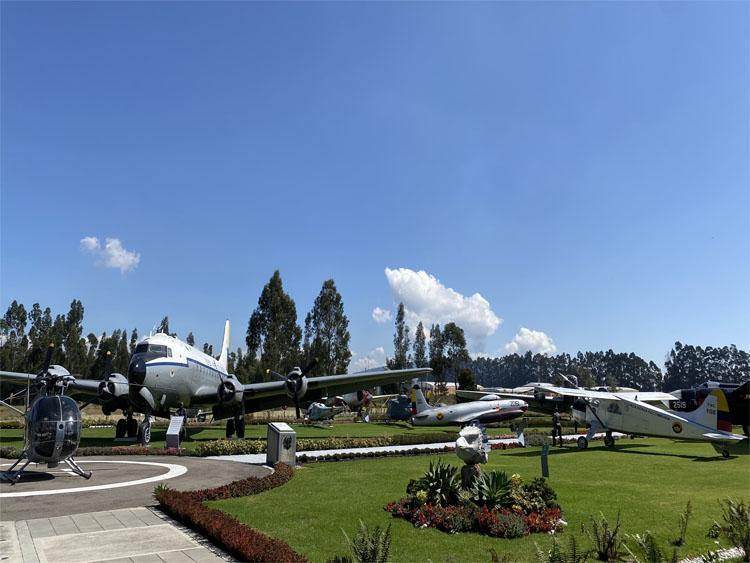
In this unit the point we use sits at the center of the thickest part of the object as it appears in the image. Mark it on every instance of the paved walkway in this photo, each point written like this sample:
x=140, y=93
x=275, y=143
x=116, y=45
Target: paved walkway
x=134, y=535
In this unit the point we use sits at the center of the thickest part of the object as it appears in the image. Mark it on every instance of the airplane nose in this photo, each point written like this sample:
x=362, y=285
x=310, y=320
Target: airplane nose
x=137, y=370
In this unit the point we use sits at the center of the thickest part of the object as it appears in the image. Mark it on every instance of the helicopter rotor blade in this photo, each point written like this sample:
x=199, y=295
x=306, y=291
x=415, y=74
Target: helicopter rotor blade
x=48, y=358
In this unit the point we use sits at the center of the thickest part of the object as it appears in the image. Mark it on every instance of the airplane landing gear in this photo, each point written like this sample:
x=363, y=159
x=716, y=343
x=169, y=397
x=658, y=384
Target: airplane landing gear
x=144, y=431
x=236, y=424
x=583, y=443
x=132, y=425
x=121, y=429
x=609, y=441
x=725, y=453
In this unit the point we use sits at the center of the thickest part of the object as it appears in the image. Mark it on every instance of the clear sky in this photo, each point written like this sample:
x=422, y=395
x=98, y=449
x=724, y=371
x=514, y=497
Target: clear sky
x=554, y=176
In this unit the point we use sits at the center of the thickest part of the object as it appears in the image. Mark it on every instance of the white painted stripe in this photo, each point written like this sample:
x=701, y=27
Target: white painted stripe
x=173, y=471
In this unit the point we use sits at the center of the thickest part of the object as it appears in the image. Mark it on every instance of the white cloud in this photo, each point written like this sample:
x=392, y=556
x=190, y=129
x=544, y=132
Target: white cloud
x=426, y=299
x=535, y=341
x=113, y=255
x=373, y=359
x=89, y=244
x=381, y=315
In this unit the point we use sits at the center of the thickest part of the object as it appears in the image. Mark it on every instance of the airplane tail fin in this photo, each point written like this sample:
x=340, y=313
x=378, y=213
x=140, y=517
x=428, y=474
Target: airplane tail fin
x=713, y=412
x=225, y=347
x=418, y=402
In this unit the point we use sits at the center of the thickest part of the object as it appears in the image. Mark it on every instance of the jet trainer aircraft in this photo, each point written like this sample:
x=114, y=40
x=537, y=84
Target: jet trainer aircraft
x=488, y=409
x=166, y=374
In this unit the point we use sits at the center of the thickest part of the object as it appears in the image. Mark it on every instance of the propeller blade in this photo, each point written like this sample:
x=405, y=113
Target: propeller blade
x=87, y=403
x=276, y=375
x=48, y=358
x=296, y=404
x=311, y=365
x=107, y=365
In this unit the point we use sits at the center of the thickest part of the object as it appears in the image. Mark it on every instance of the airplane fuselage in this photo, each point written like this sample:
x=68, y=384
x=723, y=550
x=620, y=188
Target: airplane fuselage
x=464, y=413
x=165, y=373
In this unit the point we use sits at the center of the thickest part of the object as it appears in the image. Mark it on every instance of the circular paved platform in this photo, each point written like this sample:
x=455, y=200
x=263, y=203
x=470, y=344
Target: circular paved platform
x=117, y=482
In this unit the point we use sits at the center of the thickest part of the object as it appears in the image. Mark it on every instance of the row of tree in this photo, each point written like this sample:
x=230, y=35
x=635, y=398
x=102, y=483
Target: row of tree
x=274, y=340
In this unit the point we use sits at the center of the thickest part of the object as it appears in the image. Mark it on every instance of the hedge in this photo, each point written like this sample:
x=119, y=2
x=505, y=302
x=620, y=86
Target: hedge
x=224, y=530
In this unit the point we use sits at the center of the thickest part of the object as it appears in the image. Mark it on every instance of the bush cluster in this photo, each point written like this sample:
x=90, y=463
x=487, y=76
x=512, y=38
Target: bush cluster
x=131, y=450
x=239, y=539
x=500, y=523
x=230, y=447
x=494, y=505
x=344, y=456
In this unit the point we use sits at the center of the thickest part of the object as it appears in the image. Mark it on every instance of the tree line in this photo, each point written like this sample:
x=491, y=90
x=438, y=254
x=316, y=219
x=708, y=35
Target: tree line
x=275, y=340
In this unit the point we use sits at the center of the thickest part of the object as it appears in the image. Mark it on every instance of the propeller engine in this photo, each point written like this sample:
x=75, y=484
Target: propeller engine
x=295, y=383
x=229, y=393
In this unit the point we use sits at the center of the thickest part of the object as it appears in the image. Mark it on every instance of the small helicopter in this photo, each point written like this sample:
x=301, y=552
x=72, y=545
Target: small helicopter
x=52, y=424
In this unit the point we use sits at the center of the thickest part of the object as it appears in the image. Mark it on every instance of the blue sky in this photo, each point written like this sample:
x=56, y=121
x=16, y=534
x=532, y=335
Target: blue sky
x=544, y=174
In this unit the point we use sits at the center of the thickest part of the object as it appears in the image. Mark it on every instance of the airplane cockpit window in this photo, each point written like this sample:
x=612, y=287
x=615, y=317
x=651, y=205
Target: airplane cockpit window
x=157, y=349
x=141, y=348
x=169, y=352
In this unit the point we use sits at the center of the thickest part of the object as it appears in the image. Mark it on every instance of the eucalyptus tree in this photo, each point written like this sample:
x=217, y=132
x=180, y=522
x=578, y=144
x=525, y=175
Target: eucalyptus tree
x=401, y=358
x=454, y=348
x=327, y=332
x=420, y=348
x=272, y=332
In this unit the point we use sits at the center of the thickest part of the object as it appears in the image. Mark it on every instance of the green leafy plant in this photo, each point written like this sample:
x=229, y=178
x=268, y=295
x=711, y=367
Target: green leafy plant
x=441, y=483
x=604, y=537
x=492, y=489
x=160, y=488
x=556, y=554
x=684, y=518
x=369, y=547
x=647, y=550
x=736, y=526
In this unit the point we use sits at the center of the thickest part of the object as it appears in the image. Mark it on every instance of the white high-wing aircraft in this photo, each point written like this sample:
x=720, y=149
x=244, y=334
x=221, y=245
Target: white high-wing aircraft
x=166, y=374
x=488, y=409
x=627, y=412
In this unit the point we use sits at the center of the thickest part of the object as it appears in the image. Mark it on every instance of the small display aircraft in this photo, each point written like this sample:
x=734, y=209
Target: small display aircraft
x=52, y=429
x=489, y=408
x=737, y=394
x=629, y=413
x=166, y=374
x=318, y=412
x=398, y=408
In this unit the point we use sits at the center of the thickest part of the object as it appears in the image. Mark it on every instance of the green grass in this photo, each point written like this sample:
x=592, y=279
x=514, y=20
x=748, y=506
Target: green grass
x=648, y=481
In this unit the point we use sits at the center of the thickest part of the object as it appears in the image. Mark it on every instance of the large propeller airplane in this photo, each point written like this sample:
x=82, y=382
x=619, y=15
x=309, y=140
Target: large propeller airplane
x=166, y=374
x=52, y=429
x=630, y=413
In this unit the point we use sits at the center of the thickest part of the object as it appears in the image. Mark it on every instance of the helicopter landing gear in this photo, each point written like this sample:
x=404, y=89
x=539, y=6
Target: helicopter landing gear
x=144, y=431
x=14, y=476
x=77, y=468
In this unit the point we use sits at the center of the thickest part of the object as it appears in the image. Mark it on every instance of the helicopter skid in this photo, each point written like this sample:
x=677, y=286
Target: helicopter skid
x=77, y=468
x=14, y=476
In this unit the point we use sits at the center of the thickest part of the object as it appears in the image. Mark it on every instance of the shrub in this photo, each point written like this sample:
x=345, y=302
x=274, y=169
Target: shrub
x=441, y=483
x=230, y=447
x=491, y=489
x=239, y=539
x=9, y=453
x=684, y=518
x=370, y=548
x=736, y=526
x=606, y=542
x=557, y=555
x=648, y=551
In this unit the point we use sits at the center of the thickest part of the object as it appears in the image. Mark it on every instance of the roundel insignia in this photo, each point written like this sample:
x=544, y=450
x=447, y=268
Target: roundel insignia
x=677, y=427
x=439, y=415
x=171, y=372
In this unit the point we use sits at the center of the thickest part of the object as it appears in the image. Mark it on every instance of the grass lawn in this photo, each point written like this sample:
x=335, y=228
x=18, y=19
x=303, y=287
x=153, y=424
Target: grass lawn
x=649, y=481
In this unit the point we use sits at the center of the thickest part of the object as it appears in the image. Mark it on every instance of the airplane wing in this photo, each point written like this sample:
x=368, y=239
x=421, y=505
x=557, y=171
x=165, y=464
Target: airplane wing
x=260, y=396
x=642, y=396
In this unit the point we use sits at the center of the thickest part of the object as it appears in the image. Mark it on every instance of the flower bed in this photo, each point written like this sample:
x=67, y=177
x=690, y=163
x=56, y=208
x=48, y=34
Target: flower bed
x=239, y=539
x=494, y=505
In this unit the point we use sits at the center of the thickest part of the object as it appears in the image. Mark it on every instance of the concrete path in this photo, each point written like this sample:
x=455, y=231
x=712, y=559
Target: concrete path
x=136, y=535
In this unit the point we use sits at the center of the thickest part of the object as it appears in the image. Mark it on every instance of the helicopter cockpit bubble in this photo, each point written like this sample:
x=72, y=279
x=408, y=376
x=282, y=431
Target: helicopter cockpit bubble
x=53, y=429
